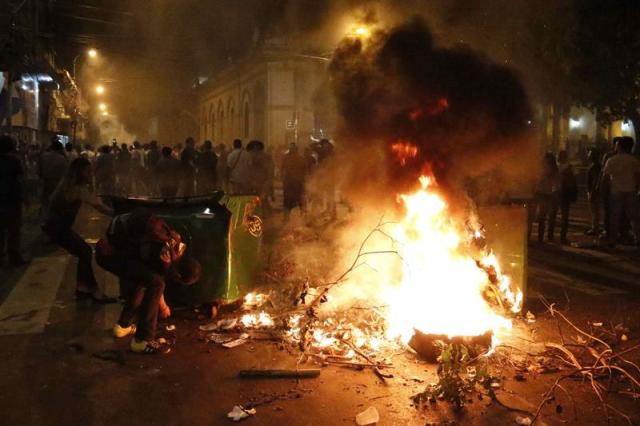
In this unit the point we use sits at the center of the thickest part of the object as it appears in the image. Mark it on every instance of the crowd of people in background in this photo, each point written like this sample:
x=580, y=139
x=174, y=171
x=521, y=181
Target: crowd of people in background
x=151, y=170
x=612, y=187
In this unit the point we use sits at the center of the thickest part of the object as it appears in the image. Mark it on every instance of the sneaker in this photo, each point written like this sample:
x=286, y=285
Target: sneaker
x=149, y=347
x=120, y=332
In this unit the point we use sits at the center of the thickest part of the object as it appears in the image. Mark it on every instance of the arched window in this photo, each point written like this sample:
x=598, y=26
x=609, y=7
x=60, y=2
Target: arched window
x=245, y=120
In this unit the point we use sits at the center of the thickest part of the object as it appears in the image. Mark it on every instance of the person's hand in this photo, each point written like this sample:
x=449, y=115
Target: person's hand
x=164, y=311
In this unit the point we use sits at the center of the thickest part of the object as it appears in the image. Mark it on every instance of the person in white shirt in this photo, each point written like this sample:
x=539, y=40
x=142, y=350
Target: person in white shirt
x=239, y=163
x=623, y=172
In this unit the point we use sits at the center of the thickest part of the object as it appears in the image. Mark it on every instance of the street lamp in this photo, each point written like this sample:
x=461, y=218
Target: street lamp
x=102, y=106
x=92, y=53
x=99, y=89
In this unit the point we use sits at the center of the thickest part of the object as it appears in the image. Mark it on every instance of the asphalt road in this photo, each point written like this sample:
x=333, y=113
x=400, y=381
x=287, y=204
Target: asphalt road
x=50, y=375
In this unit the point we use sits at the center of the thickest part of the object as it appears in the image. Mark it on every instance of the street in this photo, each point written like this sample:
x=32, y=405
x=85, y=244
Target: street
x=53, y=374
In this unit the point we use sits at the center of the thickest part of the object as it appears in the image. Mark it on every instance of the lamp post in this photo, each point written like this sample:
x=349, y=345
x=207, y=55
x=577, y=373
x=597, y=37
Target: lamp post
x=92, y=53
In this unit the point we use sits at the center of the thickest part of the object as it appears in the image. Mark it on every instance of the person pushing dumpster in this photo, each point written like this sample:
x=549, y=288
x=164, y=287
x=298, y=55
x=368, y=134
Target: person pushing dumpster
x=144, y=252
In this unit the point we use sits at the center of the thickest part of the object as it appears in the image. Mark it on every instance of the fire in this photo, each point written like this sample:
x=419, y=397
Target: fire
x=404, y=151
x=442, y=285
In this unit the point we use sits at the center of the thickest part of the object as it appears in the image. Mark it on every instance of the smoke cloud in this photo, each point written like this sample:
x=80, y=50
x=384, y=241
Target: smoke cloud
x=409, y=107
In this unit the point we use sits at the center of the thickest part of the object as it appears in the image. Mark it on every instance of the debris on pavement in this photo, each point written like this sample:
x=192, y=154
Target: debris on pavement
x=270, y=373
x=369, y=416
x=170, y=327
x=244, y=337
x=531, y=318
x=523, y=421
x=238, y=413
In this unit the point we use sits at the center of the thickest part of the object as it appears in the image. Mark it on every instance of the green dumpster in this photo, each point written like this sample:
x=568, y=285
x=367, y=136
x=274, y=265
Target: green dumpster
x=223, y=233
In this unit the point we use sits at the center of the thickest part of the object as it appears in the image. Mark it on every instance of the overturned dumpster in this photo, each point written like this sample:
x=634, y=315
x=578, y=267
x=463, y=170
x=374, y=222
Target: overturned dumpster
x=222, y=232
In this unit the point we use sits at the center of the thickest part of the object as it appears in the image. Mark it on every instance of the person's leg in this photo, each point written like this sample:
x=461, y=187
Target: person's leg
x=606, y=204
x=615, y=211
x=594, y=210
x=148, y=312
x=564, y=225
x=76, y=246
x=13, y=235
x=553, y=212
x=3, y=232
x=543, y=212
x=633, y=213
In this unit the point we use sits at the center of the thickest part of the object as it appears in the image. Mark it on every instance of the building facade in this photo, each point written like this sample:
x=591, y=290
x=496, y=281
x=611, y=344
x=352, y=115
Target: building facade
x=272, y=95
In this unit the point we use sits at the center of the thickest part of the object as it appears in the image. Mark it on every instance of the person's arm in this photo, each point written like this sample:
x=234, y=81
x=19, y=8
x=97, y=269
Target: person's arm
x=96, y=203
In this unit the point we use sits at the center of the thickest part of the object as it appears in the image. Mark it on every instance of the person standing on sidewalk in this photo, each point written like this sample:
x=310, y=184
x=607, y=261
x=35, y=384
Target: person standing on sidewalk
x=546, y=193
x=593, y=196
x=568, y=195
x=66, y=201
x=53, y=165
x=622, y=171
x=11, y=197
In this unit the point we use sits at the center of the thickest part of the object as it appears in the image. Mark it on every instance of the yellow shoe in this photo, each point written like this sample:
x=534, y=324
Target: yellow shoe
x=120, y=332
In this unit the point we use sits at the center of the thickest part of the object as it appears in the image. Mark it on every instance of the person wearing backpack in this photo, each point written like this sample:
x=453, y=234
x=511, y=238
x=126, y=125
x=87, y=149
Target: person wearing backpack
x=567, y=196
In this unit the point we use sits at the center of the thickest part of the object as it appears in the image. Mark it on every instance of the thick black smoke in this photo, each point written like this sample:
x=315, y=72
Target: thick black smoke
x=399, y=94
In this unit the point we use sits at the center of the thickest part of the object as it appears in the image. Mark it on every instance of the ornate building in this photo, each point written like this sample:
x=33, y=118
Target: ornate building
x=272, y=95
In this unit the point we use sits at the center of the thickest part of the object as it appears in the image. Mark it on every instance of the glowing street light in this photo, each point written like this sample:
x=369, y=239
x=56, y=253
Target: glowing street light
x=92, y=53
x=361, y=32
x=99, y=89
x=102, y=106
x=105, y=113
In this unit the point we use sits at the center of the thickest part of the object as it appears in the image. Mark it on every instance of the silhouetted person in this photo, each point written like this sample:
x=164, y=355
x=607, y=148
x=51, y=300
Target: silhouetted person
x=71, y=193
x=207, y=163
x=105, y=171
x=188, y=161
x=138, y=171
x=239, y=163
x=294, y=170
x=222, y=167
x=53, y=165
x=260, y=173
x=11, y=197
x=546, y=192
x=567, y=195
x=167, y=173
x=593, y=196
x=622, y=171
x=141, y=249
x=123, y=169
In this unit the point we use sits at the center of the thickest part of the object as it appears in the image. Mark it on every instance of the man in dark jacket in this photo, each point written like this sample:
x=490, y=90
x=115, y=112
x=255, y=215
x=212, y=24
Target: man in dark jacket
x=143, y=251
x=188, y=161
x=11, y=175
x=207, y=163
x=167, y=174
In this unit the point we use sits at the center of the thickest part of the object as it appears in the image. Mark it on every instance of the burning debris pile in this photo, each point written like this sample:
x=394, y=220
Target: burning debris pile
x=447, y=285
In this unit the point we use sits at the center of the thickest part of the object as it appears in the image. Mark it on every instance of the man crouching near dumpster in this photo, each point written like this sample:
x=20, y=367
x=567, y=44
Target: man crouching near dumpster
x=142, y=250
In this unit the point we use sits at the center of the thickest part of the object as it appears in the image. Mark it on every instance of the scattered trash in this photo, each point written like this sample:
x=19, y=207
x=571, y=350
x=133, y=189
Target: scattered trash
x=597, y=324
x=369, y=416
x=161, y=340
x=244, y=337
x=224, y=324
x=531, y=318
x=624, y=338
x=218, y=338
x=238, y=413
x=524, y=421
x=170, y=327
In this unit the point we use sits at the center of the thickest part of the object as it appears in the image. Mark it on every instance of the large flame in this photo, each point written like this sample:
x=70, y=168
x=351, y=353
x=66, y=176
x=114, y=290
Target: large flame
x=442, y=285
